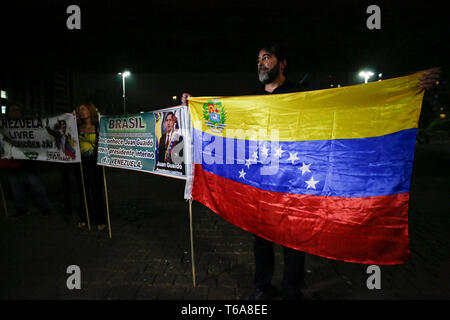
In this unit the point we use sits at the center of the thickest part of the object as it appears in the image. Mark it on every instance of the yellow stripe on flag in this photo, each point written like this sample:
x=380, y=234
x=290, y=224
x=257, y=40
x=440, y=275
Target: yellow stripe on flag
x=359, y=111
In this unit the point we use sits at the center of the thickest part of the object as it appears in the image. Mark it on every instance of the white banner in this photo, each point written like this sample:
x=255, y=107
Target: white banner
x=52, y=139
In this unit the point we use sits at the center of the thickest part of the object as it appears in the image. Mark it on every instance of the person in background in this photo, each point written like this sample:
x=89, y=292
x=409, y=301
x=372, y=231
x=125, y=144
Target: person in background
x=88, y=130
x=20, y=171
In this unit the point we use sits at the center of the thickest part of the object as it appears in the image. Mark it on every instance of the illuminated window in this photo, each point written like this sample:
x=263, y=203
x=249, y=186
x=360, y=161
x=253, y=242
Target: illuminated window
x=3, y=94
x=3, y=109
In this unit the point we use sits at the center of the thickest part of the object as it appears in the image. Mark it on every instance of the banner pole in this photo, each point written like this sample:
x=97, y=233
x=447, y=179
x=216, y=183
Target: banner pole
x=3, y=199
x=84, y=195
x=192, y=244
x=107, y=202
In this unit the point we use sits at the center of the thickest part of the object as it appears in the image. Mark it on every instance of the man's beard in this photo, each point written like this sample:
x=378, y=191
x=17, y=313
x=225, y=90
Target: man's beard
x=266, y=76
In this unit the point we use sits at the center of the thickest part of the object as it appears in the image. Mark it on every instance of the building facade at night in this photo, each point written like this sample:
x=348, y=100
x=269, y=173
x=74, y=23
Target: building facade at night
x=38, y=93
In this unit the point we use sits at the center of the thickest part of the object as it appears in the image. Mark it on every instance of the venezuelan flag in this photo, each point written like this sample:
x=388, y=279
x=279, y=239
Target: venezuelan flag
x=326, y=172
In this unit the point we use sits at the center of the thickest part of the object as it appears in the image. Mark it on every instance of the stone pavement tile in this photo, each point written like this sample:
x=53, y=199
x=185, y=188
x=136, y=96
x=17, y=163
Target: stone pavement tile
x=245, y=281
x=243, y=293
x=201, y=266
x=154, y=266
x=222, y=294
x=352, y=276
x=184, y=267
x=124, y=291
x=246, y=259
x=147, y=292
x=326, y=288
x=206, y=281
x=171, y=293
x=322, y=277
x=164, y=280
x=225, y=280
x=146, y=280
x=216, y=268
x=131, y=267
x=183, y=281
x=197, y=293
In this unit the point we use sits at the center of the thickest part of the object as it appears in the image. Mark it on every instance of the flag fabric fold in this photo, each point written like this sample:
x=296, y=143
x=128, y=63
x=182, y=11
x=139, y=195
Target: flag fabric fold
x=326, y=172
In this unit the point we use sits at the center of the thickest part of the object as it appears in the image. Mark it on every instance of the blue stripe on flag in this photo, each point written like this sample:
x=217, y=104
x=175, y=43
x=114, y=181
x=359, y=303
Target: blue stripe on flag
x=364, y=167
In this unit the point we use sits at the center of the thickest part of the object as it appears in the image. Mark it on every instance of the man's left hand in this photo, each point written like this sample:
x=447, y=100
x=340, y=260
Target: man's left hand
x=431, y=77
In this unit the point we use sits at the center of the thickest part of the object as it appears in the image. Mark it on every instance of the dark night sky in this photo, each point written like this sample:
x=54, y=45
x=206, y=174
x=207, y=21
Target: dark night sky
x=222, y=37
x=186, y=36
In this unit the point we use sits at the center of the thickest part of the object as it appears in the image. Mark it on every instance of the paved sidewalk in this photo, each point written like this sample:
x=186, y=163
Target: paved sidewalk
x=149, y=257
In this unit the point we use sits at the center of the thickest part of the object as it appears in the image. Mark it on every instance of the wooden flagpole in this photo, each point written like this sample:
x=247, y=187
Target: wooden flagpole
x=192, y=244
x=107, y=202
x=85, y=198
x=3, y=199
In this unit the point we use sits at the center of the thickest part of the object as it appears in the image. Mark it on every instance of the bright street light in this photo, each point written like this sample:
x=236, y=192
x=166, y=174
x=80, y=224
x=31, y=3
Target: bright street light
x=366, y=75
x=124, y=75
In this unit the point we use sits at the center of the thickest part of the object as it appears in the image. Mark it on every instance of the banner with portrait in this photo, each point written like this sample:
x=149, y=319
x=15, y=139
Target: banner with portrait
x=149, y=141
x=53, y=139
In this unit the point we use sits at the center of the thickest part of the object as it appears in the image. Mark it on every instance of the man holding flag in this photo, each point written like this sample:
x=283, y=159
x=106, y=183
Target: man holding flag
x=272, y=64
x=339, y=203
x=271, y=73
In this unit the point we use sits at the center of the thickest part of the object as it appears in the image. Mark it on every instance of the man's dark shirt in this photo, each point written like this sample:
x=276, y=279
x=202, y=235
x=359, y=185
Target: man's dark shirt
x=286, y=87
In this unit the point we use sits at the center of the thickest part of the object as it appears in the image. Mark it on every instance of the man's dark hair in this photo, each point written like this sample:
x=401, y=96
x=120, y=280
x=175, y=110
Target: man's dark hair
x=278, y=51
x=275, y=49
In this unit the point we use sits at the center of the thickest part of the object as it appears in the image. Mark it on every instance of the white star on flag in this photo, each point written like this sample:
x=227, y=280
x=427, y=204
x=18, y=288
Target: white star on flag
x=265, y=151
x=305, y=168
x=279, y=152
x=255, y=156
x=292, y=157
x=242, y=174
x=248, y=163
x=311, y=183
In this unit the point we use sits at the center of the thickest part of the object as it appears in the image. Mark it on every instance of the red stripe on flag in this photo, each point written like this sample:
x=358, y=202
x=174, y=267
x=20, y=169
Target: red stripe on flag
x=370, y=230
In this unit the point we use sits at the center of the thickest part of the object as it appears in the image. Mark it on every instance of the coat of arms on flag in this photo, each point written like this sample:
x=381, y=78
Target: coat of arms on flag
x=214, y=115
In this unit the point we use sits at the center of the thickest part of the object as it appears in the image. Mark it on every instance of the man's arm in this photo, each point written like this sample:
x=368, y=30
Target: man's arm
x=50, y=131
x=184, y=98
